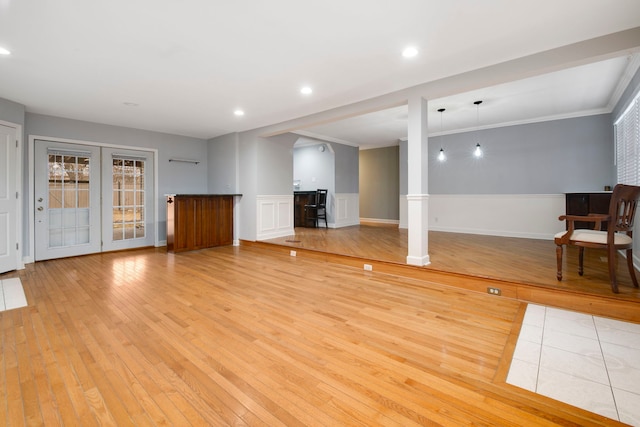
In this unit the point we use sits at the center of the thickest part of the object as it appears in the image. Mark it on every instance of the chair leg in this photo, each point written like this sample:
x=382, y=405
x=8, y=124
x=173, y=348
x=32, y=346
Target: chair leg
x=612, y=269
x=632, y=270
x=559, y=261
x=580, y=260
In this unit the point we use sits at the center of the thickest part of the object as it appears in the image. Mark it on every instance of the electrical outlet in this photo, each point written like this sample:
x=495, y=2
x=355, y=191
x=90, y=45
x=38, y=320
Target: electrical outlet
x=368, y=267
x=292, y=253
x=493, y=291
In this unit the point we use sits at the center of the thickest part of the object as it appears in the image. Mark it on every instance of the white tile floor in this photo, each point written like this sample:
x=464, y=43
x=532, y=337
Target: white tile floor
x=586, y=361
x=11, y=294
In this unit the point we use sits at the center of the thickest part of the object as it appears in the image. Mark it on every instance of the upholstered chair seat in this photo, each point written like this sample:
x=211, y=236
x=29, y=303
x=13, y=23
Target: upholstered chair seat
x=596, y=236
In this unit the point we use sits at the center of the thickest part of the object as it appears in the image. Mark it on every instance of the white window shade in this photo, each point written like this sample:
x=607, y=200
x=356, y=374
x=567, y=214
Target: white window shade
x=627, y=133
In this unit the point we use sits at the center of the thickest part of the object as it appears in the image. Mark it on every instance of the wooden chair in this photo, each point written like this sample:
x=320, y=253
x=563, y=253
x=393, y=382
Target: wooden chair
x=318, y=209
x=618, y=236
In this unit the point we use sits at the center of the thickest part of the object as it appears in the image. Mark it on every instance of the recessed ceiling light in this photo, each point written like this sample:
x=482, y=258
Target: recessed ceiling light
x=410, y=52
x=306, y=90
x=239, y=112
x=130, y=104
x=4, y=51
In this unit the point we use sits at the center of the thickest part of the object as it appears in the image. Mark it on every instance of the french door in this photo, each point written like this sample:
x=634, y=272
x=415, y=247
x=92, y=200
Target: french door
x=67, y=199
x=90, y=198
x=127, y=189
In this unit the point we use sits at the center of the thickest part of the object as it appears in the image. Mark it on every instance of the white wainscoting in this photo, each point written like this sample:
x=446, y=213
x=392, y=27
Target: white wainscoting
x=346, y=210
x=274, y=216
x=533, y=216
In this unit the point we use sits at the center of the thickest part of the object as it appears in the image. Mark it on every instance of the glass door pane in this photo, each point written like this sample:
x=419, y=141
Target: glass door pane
x=128, y=199
x=69, y=199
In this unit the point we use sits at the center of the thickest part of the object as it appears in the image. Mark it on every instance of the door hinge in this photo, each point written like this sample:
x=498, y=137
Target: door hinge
x=17, y=246
x=17, y=195
x=16, y=143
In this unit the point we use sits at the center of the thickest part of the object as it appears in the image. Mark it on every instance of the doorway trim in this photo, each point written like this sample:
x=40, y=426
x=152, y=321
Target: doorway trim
x=20, y=258
x=33, y=138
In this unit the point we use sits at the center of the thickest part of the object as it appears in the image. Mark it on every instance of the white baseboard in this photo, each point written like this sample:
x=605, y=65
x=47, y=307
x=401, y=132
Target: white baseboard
x=499, y=233
x=419, y=261
x=344, y=224
x=380, y=220
x=275, y=234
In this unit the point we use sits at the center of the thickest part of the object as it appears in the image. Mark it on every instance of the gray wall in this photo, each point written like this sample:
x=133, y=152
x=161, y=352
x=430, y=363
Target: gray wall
x=404, y=176
x=541, y=158
x=223, y=164
x=173, y=177
x=12, y=112
x=314, y=169
x=379, y=183
x=347, y=168
x=275, y=160
x=248, y=184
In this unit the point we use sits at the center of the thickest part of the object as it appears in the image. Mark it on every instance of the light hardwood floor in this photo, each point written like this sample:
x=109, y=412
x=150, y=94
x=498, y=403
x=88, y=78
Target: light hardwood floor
x=523, y=269
x=247, y=336
x=530, y=261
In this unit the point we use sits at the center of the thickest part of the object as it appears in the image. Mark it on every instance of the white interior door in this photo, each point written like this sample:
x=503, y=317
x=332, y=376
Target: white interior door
x=67, y=200
x=127, y=188
x=8, y=199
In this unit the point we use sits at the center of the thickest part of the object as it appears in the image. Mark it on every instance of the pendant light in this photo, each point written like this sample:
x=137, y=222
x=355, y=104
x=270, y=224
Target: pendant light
x=478, y=151
x=441, y=156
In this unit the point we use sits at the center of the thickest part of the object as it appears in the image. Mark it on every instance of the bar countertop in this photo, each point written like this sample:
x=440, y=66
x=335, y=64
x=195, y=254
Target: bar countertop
x=202, y=195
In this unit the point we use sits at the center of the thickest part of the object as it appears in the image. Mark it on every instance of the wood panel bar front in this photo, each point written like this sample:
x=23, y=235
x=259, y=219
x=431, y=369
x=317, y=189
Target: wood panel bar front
x=198, y=221
x=300, y=199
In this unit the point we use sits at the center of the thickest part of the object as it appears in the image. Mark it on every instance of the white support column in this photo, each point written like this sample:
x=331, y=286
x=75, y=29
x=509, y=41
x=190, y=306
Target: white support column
x=417, y=197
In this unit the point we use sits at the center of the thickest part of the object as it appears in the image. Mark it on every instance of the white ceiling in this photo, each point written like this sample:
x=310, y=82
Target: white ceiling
x=579, y=91
x=188, y=65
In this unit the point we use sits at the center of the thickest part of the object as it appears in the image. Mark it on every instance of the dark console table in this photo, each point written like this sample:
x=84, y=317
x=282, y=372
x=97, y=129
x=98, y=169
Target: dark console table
x=586, y=203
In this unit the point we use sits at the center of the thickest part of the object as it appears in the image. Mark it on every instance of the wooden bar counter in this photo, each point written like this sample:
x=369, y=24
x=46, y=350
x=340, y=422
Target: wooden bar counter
x=301, y=198
x=198, y=221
